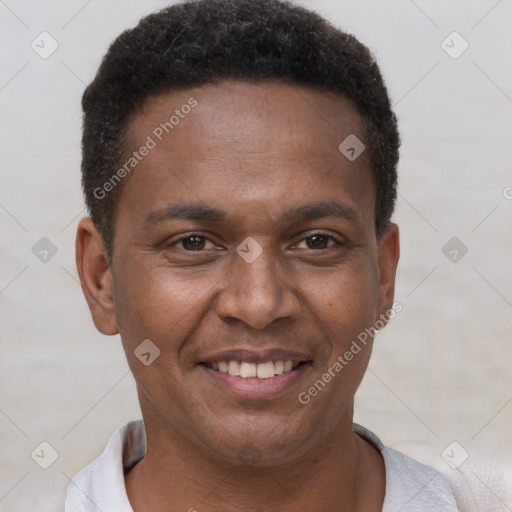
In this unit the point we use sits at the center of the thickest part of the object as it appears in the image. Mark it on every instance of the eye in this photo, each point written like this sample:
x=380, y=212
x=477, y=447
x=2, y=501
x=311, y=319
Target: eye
x=192, y=242
x=320, y=241
x=195, y=242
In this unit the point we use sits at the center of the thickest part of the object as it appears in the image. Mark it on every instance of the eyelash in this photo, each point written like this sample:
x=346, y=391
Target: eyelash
x=321, y=233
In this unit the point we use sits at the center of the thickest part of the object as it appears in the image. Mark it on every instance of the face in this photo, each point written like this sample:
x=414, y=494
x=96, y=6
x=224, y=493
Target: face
x=245, y=243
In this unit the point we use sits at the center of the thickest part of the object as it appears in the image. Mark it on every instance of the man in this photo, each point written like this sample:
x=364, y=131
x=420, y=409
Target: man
x=239, y=166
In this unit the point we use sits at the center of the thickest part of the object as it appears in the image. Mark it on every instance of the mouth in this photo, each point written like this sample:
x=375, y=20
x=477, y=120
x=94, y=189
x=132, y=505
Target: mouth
x=248, y=370
x=256, y=375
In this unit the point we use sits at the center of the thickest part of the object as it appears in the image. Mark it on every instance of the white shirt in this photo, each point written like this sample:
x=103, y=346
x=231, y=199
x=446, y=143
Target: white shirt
x=410, y=485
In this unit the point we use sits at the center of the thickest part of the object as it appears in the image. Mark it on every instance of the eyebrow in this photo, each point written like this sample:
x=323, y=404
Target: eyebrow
x=202, y=212
x=186, y=211
x=319, y=209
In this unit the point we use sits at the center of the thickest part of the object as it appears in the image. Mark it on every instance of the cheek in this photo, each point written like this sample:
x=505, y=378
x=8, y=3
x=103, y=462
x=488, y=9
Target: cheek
x=156, y=304
x=345, y=305
x=345, y=300
x=153, y=305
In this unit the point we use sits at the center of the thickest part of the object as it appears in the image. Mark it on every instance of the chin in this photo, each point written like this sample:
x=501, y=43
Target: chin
x=258, y=449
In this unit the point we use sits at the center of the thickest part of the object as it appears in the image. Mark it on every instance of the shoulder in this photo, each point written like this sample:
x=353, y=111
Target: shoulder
x=410, y=485
x=100, y=485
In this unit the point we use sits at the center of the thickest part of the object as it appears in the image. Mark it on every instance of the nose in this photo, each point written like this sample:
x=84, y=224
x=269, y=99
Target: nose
x=256, y=294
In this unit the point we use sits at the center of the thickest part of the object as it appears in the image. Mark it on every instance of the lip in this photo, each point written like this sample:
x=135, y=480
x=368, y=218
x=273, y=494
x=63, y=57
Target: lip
x=261, y=356
x=254, y=388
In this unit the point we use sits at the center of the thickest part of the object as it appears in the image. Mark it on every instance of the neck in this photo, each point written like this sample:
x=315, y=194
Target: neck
x=344, y=469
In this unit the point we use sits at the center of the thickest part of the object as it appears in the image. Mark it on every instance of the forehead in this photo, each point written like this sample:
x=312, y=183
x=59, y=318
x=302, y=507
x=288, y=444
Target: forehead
x=258, y=145
x=240, y=109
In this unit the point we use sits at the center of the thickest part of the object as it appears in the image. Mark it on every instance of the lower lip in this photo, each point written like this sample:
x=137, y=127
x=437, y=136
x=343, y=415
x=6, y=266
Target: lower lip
x=253, y=387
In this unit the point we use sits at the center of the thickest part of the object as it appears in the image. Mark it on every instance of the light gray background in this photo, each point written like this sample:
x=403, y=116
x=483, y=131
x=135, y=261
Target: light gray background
x=440, y=371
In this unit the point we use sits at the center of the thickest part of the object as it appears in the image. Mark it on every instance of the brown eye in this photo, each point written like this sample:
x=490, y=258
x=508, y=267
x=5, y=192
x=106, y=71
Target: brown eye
x=317, y=241
x=193, y=242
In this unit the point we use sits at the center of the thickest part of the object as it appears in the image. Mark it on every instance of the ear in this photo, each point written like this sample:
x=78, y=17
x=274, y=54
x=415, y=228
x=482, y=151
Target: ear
x=95, y=276
x=389, y=254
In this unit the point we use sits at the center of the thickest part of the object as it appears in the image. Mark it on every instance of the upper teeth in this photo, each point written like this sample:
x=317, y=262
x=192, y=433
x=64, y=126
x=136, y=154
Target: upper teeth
x=247, y=370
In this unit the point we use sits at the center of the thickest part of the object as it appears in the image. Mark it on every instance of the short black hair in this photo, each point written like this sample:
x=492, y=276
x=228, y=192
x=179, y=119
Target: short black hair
x=200, y=42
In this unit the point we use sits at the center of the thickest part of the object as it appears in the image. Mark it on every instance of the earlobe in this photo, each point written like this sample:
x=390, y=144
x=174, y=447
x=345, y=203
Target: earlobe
x=95, y=276
x=389, y=254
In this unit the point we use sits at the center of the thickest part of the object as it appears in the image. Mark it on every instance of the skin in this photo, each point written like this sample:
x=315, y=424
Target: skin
x=256, y=151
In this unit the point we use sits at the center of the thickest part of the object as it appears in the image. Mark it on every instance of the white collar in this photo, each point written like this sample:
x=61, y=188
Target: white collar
x=100, y=487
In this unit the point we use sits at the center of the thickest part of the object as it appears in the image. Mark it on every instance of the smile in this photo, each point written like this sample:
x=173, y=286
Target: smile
x=248, y=370
x=259, y=379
